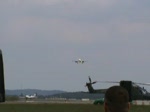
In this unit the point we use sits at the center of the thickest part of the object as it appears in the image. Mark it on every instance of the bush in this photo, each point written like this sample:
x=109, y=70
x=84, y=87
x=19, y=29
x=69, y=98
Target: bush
x=12, y=98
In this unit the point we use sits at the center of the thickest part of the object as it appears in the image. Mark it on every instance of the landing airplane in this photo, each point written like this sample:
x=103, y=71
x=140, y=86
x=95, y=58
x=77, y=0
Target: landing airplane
x=31, y=96
x=79, y=61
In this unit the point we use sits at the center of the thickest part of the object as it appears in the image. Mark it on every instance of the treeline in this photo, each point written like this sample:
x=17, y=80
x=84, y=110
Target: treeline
x=12, y=98
x=78, y=95
x=69, y=95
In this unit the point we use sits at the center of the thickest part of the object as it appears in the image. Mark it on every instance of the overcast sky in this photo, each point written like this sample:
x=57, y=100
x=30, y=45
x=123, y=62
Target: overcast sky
x=41, y=38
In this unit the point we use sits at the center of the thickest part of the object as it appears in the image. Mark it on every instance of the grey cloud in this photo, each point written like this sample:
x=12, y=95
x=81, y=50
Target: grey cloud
x=44, y=39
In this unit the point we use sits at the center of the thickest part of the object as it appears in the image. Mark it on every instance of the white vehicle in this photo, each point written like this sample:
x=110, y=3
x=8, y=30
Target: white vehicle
x=31, y=96
x=79, y=61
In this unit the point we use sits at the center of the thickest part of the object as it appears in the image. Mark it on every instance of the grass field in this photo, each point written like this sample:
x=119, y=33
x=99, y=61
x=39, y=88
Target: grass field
x=62, y=108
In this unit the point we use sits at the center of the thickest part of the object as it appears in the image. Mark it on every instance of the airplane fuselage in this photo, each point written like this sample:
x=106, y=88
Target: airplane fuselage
x=79, y=61
x=31, y=96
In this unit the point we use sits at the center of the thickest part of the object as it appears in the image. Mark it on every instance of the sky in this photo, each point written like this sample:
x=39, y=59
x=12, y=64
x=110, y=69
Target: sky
x=40, y=39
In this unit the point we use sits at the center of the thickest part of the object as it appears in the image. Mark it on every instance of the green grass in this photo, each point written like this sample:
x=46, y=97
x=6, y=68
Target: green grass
x=62, y=108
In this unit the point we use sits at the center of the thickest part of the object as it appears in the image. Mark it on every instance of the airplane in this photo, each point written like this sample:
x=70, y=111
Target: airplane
x=79, y=61
x=135, y=91
x=31, y=96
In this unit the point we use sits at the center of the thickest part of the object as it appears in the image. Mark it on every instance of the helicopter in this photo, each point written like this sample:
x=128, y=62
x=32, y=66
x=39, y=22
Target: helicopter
x=135, y=91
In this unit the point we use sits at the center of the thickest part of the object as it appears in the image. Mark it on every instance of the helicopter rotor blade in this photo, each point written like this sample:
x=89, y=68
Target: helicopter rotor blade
x=90, y=79
x=147, y=84
x=108, y=81
x=94, y=82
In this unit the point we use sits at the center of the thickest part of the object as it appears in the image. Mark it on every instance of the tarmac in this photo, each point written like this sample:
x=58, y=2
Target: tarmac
x=141, y=102
x=44, y=101
x=50, y=102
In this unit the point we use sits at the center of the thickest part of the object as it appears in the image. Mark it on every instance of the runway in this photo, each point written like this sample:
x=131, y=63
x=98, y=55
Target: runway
x=136, y=102
x=50, y=102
